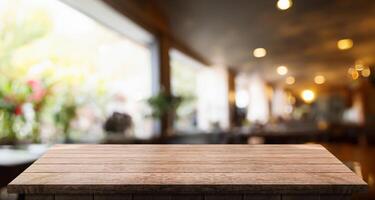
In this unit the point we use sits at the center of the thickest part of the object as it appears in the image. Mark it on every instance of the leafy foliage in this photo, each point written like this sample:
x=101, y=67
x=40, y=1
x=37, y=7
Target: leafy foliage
x=162, y=103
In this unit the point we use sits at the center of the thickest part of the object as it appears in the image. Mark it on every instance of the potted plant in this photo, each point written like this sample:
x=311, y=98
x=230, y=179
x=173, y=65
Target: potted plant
x=164, y=106
x=13, y=97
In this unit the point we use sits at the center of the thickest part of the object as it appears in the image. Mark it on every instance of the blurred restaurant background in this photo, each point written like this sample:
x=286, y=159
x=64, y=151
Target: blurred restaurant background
x=187, y=72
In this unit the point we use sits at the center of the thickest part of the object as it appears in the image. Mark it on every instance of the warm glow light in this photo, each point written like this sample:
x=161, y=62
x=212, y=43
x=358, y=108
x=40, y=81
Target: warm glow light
x=350, y=71
x=366, y=72
x=359, y=66
x=308, y=96
x=291, y=99
x=290, y=80
x=319, y=79
x=345, y=44
x=284, y=4
x=282, y=70
x=259, y=52
x=355, y=75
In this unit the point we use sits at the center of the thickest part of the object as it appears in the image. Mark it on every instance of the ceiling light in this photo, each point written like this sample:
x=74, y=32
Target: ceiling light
x=284, y=4
x=308, y=96
x=366, y=72
x=259, y=52
x=319, y=79
x=282, y=70
x=345, y=44
x=290, y=80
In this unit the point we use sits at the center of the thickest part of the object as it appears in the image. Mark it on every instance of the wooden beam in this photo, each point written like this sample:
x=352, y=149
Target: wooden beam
x=232, y=97
x=165, y=82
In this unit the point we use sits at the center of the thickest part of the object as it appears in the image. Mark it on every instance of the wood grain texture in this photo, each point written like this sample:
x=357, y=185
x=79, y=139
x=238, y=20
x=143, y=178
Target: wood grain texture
x=316, y=197
x=335, y=197
x=74, y=197
x=187, y=197
x=262, y=197
x=182, y=169
x=183, y=179
x=152, y=197
x=39, y=197
x=113, y=197
x=192, y=160
x=223, y=197
x=301, y=196
x=185, y=168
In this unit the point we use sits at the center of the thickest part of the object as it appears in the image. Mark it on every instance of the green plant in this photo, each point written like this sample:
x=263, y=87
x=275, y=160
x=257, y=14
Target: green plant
x=65, y=115
x=162, y=103
x=13, y=95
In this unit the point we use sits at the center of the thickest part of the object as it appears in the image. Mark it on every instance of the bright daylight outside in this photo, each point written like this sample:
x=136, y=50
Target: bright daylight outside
x=64, y=74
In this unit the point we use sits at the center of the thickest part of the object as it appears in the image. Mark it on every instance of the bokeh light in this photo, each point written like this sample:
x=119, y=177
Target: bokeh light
x=308, y=96
x=345, y=44
x=366, y=72
x=284, y=4
x=282, y=70
x=259, y=52
x=319, y=79
x=290, y=80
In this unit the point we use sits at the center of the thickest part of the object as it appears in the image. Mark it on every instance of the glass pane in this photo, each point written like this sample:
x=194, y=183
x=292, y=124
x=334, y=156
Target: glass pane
x=184, y=83
x=78, y=60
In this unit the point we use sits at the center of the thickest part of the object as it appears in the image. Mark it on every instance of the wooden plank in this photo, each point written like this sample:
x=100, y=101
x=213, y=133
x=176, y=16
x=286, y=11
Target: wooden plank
x=186, y=155
x=192, y=168
x=261, y=197
x=223, y=197
x=335, y=197
x=156, y=149
x=194, y=146
x=301, y=196
x=74, y=197
x=187, y=148
x=129, y=151
x=316, y=197
x=39, y=197
x=182, y=169
x=112, y=197
x=70, y=182
x=191, y=160
x=187, y=197
x=152, y=197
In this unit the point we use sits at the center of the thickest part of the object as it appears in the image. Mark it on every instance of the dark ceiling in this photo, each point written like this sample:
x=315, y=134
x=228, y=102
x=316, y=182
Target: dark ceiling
x=304, y=37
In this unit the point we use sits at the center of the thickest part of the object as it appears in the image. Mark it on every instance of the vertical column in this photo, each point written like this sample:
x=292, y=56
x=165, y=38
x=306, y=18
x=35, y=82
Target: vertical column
x=165, y=81
x=232, y=97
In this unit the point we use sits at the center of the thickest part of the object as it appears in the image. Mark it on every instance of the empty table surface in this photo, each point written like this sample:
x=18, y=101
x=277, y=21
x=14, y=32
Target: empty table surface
x=193, y=169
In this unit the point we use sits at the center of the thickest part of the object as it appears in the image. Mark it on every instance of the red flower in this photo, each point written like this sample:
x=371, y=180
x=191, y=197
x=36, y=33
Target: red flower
x=18, y=110
x=34, y=84
x=38, y=92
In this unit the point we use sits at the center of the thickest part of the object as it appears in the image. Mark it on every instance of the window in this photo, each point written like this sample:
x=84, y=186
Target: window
x=184, y=79
x=251, y=95
x=205, y=92
x=213, y=105
x=77, y=60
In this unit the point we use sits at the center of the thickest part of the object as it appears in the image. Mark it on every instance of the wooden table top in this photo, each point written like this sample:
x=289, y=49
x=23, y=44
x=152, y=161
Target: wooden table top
x=187, y=168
